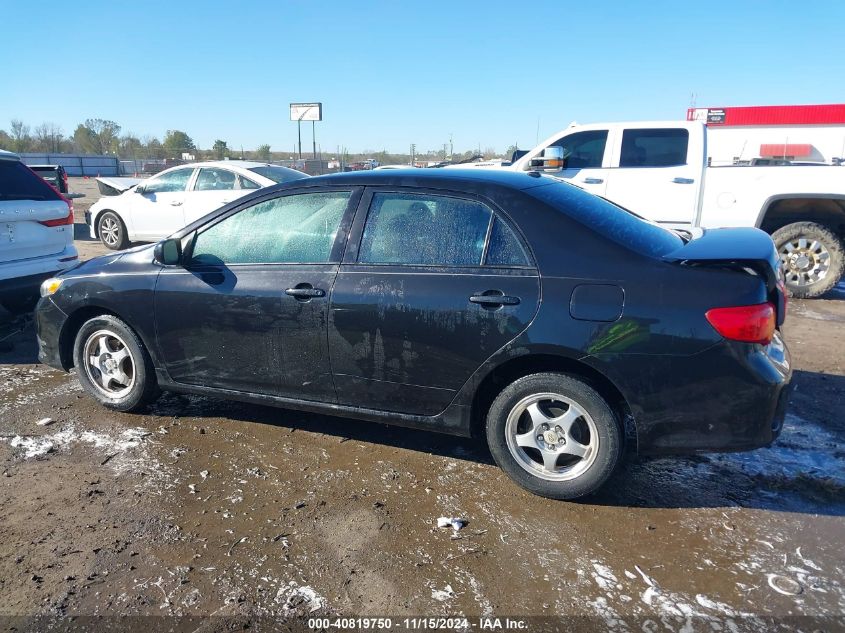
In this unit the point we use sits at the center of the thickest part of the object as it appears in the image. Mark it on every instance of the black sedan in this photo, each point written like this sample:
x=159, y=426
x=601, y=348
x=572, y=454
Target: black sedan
x=468, y=302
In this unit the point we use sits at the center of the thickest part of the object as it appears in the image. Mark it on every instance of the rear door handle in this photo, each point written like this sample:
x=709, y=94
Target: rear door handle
x=593, y=181
x=494, y=300
x=305, y=292
x=683, y=181
x=176, y=203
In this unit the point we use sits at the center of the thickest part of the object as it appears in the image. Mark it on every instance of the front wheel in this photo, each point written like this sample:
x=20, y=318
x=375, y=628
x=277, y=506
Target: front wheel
x=554, y=435
x=112, y=231
x=812, y=258
x=113, y=365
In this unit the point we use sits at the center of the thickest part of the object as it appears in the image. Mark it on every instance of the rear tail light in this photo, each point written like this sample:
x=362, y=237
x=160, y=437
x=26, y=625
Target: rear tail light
x=62, y=221
x=750, y=324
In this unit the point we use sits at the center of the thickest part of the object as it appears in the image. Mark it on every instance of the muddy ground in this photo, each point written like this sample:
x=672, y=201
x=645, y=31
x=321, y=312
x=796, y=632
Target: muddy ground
x=200, y=507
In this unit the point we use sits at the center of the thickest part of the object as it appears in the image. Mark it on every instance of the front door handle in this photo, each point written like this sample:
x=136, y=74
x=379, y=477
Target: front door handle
x=683, y=181
x=494, y=300
x=176, y=203
x=305, y=292
x=593, y=181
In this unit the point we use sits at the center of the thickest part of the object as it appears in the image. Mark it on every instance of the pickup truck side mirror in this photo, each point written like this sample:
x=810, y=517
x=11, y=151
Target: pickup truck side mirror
x=168, y=252
x=552, y=159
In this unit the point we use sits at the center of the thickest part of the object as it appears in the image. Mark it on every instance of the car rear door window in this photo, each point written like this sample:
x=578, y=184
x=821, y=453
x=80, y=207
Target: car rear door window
x=424, y=230
x=504, y=249
x=292, y=229
x=213, y=179
x=659, y=147
x=172, y=181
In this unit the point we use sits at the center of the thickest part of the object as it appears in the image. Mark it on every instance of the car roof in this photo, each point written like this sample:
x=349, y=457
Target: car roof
x=243, y=164
x=4, y=155
x=437, y=178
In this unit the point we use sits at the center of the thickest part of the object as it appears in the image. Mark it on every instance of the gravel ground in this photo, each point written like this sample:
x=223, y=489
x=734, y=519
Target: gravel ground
x=201, y=508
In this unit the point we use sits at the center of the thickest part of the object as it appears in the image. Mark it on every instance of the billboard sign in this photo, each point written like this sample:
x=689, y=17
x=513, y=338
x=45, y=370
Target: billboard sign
x=306, y=111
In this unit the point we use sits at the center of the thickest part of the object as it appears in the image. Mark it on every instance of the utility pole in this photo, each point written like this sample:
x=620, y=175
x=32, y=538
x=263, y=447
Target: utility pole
x=314, y=138
x=451, y=149
x=413, y=153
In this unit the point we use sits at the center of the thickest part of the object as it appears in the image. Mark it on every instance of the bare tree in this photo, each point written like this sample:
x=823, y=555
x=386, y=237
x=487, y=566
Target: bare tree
x=49, y=137
x=21, y=140
x=263, y=153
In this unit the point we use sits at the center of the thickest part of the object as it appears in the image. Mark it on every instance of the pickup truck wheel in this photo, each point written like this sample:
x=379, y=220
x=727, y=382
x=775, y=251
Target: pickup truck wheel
x=554, y=435
x=812, y=257
x=112, y=231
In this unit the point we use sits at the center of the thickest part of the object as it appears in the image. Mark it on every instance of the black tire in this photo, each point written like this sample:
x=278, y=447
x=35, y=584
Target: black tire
x=799, y=282
x=143, y=389
x=20, y=304
x=112, y=231
x=603, y=457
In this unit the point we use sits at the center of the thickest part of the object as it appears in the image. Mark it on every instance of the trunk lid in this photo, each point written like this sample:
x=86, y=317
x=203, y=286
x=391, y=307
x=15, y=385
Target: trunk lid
x=746, y=250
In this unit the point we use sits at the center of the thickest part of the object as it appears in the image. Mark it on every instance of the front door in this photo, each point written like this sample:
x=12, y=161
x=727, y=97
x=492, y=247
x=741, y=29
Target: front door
x=586, y=156
x=249, y=310
x=436, y=284
x=158, y=211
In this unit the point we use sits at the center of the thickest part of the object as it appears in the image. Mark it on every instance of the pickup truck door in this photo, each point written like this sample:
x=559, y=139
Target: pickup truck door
x=657, y=171
x=586, y=158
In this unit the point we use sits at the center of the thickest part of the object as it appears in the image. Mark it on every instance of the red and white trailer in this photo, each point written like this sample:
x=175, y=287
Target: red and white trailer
x=754, y=134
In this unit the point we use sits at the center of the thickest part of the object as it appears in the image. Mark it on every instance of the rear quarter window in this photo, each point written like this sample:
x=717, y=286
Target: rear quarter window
x=608, y=219
x=18, y=182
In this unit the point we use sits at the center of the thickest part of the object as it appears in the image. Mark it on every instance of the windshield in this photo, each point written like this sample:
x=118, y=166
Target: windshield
x=278, y=174
x=18, y=182
x=608, y=219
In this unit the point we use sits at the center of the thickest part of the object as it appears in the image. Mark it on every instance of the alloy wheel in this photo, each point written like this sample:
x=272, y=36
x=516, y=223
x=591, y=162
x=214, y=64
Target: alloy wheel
x=552, y=436
x=110, y=231
x=804, y=261
x=109, y=364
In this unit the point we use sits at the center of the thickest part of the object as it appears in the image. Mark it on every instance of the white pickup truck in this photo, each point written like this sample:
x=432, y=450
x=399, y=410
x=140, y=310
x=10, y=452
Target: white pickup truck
x=660, y=171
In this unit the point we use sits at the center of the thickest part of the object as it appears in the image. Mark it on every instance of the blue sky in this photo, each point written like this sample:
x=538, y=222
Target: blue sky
x=394, y=73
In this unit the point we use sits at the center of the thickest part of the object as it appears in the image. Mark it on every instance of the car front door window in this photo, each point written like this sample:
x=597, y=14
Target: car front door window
x=171, y=182
x=293, y=229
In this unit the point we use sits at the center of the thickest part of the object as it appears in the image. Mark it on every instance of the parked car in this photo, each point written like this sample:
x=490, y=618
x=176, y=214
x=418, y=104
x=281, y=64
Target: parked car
x=659, y=169
x=54, y=175
x=515, y=306
x=160, y=205
x=36, y=233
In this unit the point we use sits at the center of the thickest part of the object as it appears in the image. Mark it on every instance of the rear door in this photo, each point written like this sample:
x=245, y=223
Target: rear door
x=213, y=188
x=33, y=217
x=249, y=309
x=159, y=210
x=432, y=284
x=656, y=171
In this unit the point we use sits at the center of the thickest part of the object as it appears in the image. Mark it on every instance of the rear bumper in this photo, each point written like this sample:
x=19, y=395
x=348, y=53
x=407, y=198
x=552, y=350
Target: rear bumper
x=49, y=321
x=26, y=275
x=731, y=397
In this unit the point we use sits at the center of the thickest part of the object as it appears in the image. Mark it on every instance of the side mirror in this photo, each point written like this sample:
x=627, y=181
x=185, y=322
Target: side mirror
x=552, y=159
x=140, y=189
x=168, y=252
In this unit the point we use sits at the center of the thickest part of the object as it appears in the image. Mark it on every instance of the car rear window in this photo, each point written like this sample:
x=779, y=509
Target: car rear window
x=18, y=182
x=608, y=219
x=278, y=174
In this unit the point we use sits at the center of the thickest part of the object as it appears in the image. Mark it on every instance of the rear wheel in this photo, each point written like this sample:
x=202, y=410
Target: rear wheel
x=554, y=435
x=113, y=365
x=112, y=231
x=812, y=257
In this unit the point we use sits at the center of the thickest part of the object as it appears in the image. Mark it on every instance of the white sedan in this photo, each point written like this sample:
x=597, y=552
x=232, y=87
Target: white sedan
x=163, y=204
